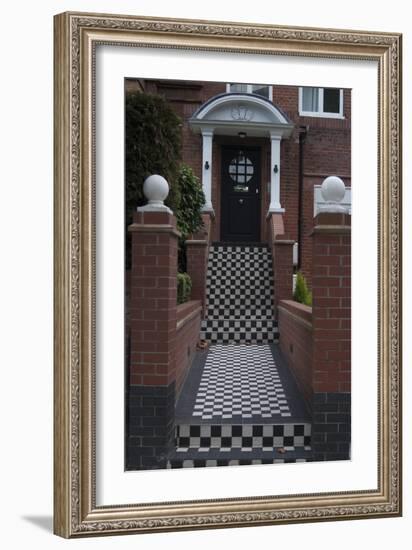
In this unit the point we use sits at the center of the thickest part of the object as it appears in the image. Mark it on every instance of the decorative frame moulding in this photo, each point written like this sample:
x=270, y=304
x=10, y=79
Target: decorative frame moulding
x=76, y=37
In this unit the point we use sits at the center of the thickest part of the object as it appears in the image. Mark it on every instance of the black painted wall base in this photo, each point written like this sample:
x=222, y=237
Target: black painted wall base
x=150, y=426
x=331, y=426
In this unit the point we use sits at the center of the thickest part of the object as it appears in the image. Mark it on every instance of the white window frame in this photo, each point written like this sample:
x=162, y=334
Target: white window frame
x=320, y=112
x=249, y=89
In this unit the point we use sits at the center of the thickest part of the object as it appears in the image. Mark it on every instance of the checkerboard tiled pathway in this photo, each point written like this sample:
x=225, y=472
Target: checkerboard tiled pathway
x=240, y=381
x=239, y=295
x=243, y=409
x=240, y=404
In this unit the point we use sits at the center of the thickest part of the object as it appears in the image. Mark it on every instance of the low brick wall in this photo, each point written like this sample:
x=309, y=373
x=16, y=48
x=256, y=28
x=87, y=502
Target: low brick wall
x=187, y=336
x=197, y=253
x=281, y=247
x=296, y=342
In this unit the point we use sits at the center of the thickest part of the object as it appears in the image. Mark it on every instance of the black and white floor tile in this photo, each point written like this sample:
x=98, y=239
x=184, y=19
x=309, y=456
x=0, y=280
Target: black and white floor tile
x=239, y=296
x=239, y=405
x=240, y=381
x=245, y=437
x=201, y=463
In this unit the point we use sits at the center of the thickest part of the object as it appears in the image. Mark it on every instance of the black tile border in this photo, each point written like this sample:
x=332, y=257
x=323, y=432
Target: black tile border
x=331, y=427
x=150, y=426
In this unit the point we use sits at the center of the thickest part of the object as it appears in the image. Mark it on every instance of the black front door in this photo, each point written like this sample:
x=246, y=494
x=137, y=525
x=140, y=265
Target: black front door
x=240, y=189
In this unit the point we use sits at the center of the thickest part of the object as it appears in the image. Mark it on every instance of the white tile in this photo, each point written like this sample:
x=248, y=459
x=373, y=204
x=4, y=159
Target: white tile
x=184, y=430
x=226, y=430
x=289, y=430
x=298, y=440
x=267, y=431
x=247, y=430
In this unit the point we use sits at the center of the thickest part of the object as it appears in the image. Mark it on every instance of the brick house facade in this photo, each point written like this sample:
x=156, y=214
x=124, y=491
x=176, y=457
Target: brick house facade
x=316, y=146
x=261, y=154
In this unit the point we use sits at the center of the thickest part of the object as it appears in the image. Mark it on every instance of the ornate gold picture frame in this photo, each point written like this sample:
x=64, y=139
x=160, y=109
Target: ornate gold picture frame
x=76, y=509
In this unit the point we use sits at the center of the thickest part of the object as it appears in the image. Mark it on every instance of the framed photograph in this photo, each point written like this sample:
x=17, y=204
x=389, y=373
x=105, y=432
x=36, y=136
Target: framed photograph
x=227, y=274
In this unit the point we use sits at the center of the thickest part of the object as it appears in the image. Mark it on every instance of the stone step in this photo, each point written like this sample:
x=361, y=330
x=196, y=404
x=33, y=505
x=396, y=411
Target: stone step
x=239, y=326
x=245, y=437
x=240, y=313
x=239, y=305
x=214, y=457
x=221, y=331
x=254, y=287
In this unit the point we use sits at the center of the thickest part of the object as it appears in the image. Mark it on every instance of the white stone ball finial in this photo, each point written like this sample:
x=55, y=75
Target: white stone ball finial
x=333, y=192
x=155, y=189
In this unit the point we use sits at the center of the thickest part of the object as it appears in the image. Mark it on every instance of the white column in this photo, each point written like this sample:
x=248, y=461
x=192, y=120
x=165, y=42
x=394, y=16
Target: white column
x=275, y=205
x=207, y=136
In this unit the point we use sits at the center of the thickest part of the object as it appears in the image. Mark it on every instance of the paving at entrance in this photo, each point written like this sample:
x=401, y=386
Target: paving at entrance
x=239, y=295
x=240, y=381
x=239, y=403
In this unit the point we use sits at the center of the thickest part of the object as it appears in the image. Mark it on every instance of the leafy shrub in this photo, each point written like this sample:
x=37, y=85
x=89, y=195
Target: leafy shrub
x=153, y=146
x=184, y=287
x=302, y=293
x=192, y=199
x=188, y=215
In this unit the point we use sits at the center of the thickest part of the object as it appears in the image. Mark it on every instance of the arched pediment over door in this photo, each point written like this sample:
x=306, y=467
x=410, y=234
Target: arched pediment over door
x=227, y=114
x=237, y=114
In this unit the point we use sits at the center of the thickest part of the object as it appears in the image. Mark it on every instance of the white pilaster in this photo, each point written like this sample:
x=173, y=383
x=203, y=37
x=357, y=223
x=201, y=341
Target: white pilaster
x=207, y=136
x=275, y=205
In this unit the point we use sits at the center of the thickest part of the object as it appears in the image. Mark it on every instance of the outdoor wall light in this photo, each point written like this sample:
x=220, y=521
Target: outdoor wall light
x=207, y=166
x=242, y=134
x=276, y=169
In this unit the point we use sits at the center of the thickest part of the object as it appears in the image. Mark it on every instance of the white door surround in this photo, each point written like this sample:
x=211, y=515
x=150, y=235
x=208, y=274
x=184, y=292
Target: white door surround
x=240, y=114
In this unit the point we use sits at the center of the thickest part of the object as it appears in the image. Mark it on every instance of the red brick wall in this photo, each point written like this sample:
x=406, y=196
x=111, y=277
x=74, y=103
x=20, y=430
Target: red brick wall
x=306, y=230
x=187, y=336
x=332, y=303
x=289, y=183
x=295, y=330
x=327, y=151
x=317, y=341
x=307, y=222
x=197, y=252
x=282, y=259
x=152, y=311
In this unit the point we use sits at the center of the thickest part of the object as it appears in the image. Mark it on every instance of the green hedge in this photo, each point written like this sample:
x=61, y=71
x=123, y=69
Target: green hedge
x=184, y=288
x=302, y=293
x=188, y=215
x=153, y=146
x=192, y=199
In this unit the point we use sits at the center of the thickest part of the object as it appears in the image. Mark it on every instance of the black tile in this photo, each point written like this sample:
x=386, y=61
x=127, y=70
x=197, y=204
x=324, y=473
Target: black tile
x=236, y=431
x=194, y=431
x=278, y=431
x=299, y=429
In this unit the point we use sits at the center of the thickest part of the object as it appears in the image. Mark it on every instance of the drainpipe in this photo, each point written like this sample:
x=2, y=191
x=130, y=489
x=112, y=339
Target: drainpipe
x=303, y=130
